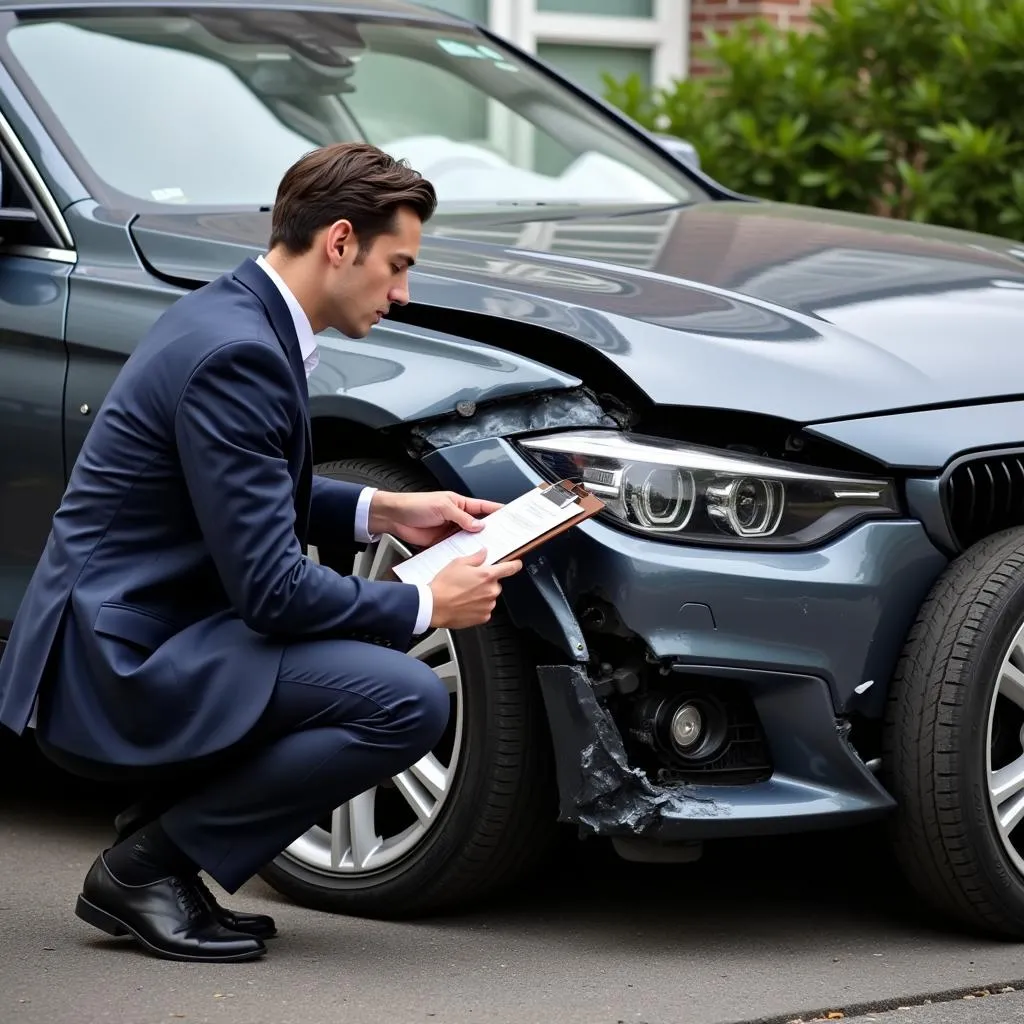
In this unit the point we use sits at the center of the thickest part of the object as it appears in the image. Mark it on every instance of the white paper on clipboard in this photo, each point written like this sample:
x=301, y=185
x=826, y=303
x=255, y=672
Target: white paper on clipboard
x=516, y=524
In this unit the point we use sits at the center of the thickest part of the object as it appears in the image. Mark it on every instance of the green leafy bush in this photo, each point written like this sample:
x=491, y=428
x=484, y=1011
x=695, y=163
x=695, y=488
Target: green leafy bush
x=902, y=108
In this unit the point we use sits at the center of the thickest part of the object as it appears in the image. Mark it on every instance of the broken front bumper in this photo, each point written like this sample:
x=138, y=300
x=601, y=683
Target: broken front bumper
x=810, y=636
x=817, y=780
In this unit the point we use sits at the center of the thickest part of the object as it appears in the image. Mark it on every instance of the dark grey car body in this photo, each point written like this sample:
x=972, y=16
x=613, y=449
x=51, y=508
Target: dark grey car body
x=816, y=338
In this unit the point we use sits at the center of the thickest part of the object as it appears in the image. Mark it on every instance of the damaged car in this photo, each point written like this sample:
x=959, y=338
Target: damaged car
x=802, y=606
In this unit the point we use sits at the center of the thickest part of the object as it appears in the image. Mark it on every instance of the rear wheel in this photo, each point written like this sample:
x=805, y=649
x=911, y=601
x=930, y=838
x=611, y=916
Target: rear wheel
x=954, y=741
x=470, y=816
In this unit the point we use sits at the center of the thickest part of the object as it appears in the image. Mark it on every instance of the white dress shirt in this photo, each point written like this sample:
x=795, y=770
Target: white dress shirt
x=310, y=359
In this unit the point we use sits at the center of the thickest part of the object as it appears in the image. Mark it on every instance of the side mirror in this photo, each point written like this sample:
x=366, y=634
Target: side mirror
x=682, y=150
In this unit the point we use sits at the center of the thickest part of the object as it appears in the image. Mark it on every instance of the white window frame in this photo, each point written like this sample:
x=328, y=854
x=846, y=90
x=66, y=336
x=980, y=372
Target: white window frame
x=666, y=34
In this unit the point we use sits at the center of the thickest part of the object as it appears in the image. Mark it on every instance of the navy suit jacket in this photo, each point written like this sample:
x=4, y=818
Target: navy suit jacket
x=175, y=571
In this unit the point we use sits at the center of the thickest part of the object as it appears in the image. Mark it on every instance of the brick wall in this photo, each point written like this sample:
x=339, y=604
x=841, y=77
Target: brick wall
x=720, y=14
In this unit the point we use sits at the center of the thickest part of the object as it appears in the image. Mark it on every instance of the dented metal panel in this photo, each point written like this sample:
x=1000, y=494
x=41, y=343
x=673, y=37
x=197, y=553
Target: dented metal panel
x=797, y=314
x=402, y=374
x=576, y=408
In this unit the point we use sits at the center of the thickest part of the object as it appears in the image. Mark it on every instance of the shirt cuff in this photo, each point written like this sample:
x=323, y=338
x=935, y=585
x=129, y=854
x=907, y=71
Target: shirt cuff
x=426, y=612
x=362, y=530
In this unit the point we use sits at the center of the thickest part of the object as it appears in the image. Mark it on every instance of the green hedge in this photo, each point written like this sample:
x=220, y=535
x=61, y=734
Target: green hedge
x=904, y=108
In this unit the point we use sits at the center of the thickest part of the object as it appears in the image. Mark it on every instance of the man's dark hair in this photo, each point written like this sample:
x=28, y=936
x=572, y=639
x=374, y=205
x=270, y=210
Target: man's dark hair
x=350, y=181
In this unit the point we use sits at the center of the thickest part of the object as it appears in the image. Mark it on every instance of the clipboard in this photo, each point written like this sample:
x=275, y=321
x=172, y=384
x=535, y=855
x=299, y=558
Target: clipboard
x=564, y=493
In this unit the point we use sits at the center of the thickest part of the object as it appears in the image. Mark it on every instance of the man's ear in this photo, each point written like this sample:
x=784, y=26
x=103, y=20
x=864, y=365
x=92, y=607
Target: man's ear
x=339, y=239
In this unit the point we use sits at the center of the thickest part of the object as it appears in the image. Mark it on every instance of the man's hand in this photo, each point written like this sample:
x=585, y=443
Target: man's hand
x=466, y=591
x=422, y=518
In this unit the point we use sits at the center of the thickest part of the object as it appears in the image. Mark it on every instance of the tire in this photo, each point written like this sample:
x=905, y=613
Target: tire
x=499, y=815
x=937, y=742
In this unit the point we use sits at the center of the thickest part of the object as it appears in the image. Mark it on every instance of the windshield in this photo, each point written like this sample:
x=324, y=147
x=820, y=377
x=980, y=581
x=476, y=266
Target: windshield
x=209, y=107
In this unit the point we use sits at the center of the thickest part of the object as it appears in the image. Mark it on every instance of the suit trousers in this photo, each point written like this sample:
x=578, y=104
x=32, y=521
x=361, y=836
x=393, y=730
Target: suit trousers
x=343, y=716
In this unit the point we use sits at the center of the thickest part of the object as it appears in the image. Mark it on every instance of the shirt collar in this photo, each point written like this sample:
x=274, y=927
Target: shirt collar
x=303, y=329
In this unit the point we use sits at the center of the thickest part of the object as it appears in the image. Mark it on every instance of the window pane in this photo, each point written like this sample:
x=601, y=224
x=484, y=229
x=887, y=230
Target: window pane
x=621, y=8
x=585, y=64
x=100, y=84
x=475, y=9
x=194, y=107
x=398, y=97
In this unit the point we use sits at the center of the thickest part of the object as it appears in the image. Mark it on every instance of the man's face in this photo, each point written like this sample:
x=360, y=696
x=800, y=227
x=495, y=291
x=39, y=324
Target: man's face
x=362, y=286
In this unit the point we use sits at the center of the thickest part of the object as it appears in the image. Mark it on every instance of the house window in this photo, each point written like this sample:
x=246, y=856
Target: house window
x=617, y=8
x=474, y=9
x=584, y=38
x=585, y=64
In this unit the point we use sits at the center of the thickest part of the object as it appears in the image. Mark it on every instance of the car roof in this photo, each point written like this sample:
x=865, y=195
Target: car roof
x=385, y=8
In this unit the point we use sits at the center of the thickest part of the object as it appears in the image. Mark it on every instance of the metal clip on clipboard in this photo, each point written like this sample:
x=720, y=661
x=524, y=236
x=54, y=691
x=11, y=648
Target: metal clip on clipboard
x=563, y=493
x=559, y=495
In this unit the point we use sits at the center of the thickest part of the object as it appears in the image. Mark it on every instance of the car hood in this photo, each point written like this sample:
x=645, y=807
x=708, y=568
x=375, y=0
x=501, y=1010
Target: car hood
x=804, y=314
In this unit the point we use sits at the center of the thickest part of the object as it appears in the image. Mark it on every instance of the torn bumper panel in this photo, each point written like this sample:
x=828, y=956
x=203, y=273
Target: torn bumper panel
x=818, y=781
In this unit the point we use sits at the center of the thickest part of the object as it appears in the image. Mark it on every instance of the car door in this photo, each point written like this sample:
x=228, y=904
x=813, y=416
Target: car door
x=36, y=259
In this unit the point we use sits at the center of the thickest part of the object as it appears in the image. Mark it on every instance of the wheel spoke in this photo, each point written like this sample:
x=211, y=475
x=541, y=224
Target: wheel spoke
x=362, y=562
x=1011, y=683
x=389, y=553
x=416, y=795
x=1011, y=813
x=341, y=836
x=1007, y=788
x=1007, y=782
x=434, y=642
x=362, y=828
x=448, y=673
x=432, y=774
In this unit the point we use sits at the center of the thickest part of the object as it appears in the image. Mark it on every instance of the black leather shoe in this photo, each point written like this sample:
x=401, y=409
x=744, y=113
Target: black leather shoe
x=169, y=918
x=260, y=925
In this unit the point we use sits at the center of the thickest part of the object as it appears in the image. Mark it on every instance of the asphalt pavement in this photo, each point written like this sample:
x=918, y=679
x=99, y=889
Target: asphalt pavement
x=973, y=1008
x=804, y=928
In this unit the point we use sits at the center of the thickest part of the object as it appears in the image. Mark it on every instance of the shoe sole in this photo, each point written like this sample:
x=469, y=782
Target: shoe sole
x=106, y=922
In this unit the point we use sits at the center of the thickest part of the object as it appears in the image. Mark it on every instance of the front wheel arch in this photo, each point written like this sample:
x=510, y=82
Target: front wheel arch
x=333, y=433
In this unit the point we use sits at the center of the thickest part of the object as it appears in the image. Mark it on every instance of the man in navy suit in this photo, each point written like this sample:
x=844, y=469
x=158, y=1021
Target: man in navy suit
x=175, y=632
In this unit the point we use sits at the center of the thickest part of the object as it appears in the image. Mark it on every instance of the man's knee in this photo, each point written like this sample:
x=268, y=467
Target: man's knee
x=423, y=706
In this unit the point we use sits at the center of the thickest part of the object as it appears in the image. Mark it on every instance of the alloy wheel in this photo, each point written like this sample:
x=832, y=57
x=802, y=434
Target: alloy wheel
x=387, y=822
x=1005, y=751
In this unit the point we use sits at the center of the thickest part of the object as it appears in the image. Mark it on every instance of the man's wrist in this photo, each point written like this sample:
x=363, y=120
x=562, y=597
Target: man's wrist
x=380, y=513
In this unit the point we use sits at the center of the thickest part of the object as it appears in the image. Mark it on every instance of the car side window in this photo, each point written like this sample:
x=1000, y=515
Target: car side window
x=21, y=221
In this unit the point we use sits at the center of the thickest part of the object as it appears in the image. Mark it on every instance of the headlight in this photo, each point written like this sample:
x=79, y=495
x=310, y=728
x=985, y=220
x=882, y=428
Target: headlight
x=701, y=495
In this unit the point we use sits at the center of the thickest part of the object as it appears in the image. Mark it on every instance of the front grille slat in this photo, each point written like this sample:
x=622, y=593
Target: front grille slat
x=983, y=496
x=989, y=491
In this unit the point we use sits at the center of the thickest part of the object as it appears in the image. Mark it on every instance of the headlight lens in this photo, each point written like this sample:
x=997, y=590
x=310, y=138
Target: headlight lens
x=702, y=495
